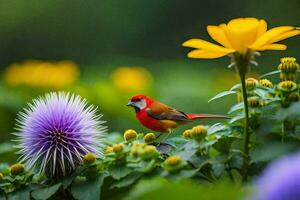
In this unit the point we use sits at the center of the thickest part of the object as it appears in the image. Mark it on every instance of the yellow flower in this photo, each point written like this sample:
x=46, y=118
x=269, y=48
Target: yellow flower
x=240, y=35
x=251, y=83
x=128, y=79
x=35, y=73
x=149, y=137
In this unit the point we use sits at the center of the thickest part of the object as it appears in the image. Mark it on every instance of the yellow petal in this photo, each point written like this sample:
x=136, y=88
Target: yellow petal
x=202, y=44
x=262, y=27
x=205, y=54
x=217, y=33
x=272, y=47
x=285, y=35
x=269, y=35
x=242, y=32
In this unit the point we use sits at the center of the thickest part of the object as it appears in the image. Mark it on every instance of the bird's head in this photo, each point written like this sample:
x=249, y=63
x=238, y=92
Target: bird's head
x=139, y=102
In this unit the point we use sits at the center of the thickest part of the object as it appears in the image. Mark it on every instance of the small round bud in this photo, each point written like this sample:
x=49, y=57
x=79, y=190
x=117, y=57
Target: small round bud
x=287, y=86
x=17, y=169
x=187, y=134
x=149, y=138
x=118, y=148
x=130, y=135
x=253, y=102
x=108, y=150
x=293, y=97
x=89, y=158
x=136, y=149
x=149, y=152
x=251, y=83
x=265, y=83
x=173, y=163
x=1, y=176
x=199, y=132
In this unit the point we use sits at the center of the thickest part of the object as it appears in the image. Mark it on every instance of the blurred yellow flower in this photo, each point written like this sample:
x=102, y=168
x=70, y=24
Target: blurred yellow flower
x=128, y=79
x=240, y=35
x=35, y=73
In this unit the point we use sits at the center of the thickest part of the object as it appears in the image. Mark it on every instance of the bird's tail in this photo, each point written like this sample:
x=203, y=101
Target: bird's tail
x=203, y=116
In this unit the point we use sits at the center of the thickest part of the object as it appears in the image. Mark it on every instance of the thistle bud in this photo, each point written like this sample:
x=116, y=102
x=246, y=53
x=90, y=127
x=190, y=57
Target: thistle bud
x=287, y=86
x=89, y=158
x=17, y=169
x=293, y=97
x=130, y=135
x=149, y=138
x=173, y=163
x=199, y=132
x=265, y=83
x=251, y=83
x=187, y=134
x=118, y=148
x=149, y=152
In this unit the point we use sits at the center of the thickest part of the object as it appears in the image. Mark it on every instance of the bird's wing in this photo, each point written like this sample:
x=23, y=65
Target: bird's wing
x=161, y=111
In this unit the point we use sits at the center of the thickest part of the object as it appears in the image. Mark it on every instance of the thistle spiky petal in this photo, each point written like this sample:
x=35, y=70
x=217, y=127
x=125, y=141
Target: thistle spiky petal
x=55, y=132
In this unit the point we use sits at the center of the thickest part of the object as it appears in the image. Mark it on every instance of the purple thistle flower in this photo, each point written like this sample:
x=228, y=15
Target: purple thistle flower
x=56, y=131
x=280, y=181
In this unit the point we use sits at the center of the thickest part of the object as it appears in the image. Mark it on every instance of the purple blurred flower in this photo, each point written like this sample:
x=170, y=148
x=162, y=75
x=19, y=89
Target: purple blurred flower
x=280, y=181
x=56, y=131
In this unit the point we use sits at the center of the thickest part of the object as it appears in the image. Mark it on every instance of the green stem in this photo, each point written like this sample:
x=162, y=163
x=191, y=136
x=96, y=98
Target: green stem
x=244, y=170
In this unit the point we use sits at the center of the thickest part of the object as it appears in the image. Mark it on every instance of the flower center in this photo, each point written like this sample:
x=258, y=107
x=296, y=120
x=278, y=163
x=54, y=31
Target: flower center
x=57, y=137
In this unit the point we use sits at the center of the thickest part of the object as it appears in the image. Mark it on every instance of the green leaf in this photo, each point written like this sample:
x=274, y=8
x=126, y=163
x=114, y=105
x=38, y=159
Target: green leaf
x=119, y=171
x=216, y=128
x=45, y=193
x=159, y=188
x=87, y=189
x=236, y=86
x=222, y=94
x=236, y=107
x=4, y=168
x=128, y=180
x=6, y=147
x=218, y=169
x=236, y=118
x=19, y=195
x=270, y=73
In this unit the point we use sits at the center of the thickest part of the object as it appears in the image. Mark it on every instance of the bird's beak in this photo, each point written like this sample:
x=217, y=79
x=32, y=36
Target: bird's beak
x=129, y=103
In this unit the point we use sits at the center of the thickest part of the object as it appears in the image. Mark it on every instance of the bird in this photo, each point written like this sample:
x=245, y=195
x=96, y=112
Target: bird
x=160, y=117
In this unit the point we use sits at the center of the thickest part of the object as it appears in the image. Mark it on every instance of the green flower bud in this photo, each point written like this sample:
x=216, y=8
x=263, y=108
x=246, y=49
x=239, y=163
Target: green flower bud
x=265, y=83
x=187, y=134
x=1, y=176
x=137, y=149
x=17, y=169
x=293, y=97
x=173, y=163
x=199, y=132
x=251, y=83
x=149, y=152
x=288, y=68
x=118, y=148
x=253, y=102
x=287, y=86
x=130, y=135
x=89, y=158
x=149, y=138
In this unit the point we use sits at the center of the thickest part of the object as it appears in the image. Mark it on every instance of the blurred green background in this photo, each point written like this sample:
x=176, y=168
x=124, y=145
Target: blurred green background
x=115, y=49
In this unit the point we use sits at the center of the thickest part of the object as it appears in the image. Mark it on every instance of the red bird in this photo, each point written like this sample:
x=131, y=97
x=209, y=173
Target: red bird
x=160, y=117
